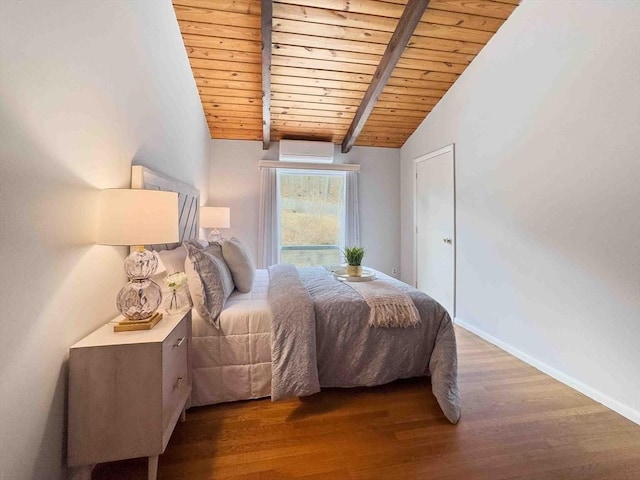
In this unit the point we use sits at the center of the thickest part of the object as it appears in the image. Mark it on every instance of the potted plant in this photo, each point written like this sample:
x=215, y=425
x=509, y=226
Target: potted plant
x=354, y=255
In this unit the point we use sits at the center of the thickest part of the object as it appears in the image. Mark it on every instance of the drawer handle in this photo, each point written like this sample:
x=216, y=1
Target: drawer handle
x=178, y=383
x=180, y=342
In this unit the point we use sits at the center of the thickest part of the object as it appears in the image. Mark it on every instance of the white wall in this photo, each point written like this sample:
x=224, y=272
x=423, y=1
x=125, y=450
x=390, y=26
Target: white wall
x=87, y=89
x=235, y=183
x=546, y=123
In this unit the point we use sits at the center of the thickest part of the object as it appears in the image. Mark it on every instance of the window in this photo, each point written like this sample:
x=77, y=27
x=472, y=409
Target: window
x=312, y=216
x=320, y=211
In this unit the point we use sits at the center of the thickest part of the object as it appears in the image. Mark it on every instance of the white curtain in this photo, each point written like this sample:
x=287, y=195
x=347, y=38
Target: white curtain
x=268, y=232
x=352, y=213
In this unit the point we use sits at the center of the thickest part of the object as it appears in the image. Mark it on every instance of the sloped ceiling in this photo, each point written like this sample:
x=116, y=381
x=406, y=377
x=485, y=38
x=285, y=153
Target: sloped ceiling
x=324, y=55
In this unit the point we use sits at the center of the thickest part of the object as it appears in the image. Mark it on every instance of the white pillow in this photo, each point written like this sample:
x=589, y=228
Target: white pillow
x=210, y=283
x=173, y=260
x=239, y=260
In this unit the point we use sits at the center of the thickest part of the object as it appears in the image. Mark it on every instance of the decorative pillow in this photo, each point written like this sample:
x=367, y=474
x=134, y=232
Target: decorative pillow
x=198, y=243
x=215, y=249
x=239, y=260
x=210, y=283
x=173, y=260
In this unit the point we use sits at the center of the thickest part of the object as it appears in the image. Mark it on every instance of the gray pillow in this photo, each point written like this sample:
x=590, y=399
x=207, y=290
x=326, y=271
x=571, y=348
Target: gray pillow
x=196, y=242
x=239, y=260
x=215, y=249
x=210, y=283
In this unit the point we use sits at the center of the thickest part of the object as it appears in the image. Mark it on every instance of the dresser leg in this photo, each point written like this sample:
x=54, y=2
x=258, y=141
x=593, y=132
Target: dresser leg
x=183, y=415
x=153, y=467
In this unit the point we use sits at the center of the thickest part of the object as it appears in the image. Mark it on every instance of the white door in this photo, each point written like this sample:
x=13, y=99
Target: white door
x=435, y=226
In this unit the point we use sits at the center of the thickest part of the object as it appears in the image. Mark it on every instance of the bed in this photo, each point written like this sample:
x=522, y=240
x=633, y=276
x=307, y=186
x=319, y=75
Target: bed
x=298, y=330
x=233, y=362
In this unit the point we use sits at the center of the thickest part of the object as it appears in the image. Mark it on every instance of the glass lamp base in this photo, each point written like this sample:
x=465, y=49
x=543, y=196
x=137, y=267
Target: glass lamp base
x=214, y=236
x=139, y=299
x=140, y=264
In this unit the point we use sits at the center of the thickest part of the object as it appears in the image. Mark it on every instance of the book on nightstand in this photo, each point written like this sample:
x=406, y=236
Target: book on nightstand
x=129, y=325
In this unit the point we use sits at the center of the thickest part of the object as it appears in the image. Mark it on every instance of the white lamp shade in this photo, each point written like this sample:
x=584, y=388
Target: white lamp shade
x=215, y=217
x=137, y=217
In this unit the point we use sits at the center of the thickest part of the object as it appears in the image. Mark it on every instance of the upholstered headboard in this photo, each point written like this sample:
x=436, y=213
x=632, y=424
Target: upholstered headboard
x=188, y=201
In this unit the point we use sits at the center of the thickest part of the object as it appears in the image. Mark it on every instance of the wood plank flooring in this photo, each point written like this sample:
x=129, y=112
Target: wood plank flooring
x=517, y=423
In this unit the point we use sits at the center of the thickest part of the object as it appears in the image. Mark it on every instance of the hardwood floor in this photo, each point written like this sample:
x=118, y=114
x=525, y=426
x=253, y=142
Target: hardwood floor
x=517, y=423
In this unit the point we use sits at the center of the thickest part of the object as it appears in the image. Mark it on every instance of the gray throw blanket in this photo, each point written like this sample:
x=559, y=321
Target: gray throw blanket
x=337, y=348
x=293, y=335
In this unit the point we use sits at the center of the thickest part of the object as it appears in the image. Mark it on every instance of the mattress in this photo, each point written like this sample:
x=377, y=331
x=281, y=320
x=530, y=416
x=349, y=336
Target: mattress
x=234, y=362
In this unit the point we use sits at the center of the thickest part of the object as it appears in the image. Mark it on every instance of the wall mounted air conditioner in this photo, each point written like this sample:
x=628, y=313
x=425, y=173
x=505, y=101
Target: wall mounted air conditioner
x=305, y=151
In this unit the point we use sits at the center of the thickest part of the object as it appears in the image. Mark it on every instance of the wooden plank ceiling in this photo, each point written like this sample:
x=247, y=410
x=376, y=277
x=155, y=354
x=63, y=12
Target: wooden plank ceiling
x=324, y=55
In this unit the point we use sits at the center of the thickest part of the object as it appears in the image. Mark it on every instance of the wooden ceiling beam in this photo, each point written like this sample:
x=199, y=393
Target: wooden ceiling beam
x=404, y=30
x=266, y=15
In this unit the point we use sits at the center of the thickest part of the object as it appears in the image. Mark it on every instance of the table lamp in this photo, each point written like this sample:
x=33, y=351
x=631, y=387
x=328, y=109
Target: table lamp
x=136, y=217
x=215, y=218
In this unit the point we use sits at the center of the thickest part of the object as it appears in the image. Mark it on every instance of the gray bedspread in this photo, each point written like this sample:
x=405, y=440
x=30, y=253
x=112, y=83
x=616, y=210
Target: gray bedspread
x=321, y=337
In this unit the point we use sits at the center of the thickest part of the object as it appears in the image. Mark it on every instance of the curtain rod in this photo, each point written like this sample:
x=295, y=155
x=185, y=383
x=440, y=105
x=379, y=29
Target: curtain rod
x=342, y=167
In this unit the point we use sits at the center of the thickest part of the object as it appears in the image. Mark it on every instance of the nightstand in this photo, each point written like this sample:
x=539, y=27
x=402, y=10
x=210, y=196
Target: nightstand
x=127, y=391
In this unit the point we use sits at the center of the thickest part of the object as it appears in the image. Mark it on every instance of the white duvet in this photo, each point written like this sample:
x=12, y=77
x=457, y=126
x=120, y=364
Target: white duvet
x=234, y=362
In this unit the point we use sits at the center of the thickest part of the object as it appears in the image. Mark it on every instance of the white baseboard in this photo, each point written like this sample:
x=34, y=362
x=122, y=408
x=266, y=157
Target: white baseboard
x=590, y=392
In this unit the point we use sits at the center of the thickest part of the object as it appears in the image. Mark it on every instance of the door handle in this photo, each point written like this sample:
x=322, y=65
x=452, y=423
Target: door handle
x=447, y=240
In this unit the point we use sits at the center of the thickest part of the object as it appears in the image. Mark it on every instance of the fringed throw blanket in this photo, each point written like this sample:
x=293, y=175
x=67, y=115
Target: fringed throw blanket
x=389, y=306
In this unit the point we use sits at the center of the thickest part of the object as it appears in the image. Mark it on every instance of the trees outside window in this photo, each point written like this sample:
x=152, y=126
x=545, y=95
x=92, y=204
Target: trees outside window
x=312, y=217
